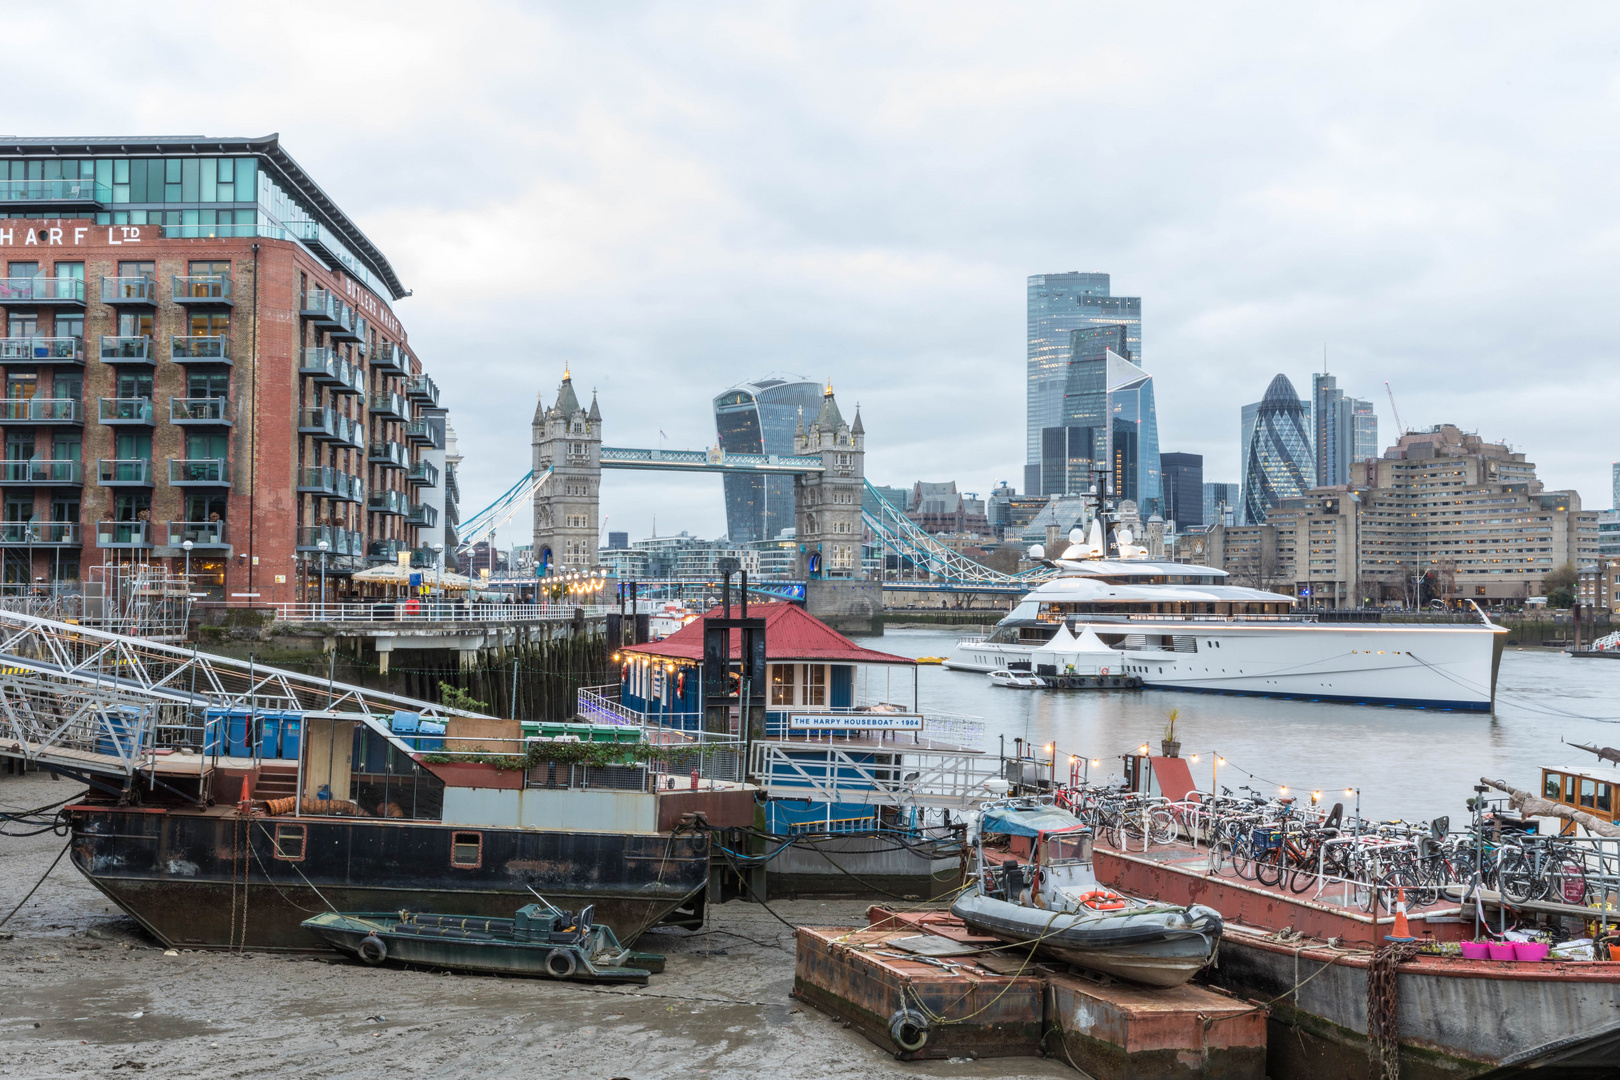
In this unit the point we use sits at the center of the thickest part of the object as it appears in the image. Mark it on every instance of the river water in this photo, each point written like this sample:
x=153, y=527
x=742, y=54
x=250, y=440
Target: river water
x=1408, y=763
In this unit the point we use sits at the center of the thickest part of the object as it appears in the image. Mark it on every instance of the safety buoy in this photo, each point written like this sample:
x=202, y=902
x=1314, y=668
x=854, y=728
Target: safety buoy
x=1103, y=900
x=560, y=964
x=1105, y=671
x=373, y=950
x=909, y=1030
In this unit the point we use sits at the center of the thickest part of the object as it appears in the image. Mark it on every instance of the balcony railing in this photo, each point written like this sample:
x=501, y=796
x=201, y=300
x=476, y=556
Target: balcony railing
x=209, y=349
x=423, y=388
x=126, y=410
x=320, y=305
x=134, y=291
x=385, y=404
x=201, y=534
x=199, y=472
x=205, y=410
x=124, y=472
x=41, y=411
x=329, y=368
x=43, y=350
x=202, y=288
x=421, y=433
x=326, y=480
x=42, y=290
x=424, y=472
x=41, y=471
x=132, y=534
x=42, y=533
x=124, y=350
x=339, y=541
x=85, y=191
x=388, y=356
x=422, y=514
x=386, y=502
x=387, y=550
x=390, y=455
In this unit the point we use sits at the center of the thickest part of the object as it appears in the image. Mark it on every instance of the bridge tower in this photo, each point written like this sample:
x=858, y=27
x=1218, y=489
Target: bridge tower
x=567, y=439
x=829, y=529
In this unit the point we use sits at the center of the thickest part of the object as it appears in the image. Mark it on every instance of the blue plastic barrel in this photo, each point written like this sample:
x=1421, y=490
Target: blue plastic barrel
x=117, y=733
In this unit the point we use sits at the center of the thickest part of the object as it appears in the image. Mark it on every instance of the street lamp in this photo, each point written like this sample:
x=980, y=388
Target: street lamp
x=438, y=572
x=323, y=544
x=187, y=546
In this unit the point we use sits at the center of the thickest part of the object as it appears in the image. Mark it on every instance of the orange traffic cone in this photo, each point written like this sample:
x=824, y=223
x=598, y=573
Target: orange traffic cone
x=245, y=804
x=1403, y=932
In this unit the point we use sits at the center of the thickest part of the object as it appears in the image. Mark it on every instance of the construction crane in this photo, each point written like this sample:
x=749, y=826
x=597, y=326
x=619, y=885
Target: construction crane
x=1400, y=428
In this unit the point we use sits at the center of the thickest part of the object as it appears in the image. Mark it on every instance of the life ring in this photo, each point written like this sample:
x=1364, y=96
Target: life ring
x=561, y=964
x=1103, y=900
x=909, y=1030
x=373, y=950
x=1105, y=671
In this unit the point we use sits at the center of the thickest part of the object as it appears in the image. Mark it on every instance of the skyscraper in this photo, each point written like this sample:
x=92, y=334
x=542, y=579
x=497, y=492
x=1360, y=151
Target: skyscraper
x=1107, y=420
x=1245, y=434
x=1278, y=461
x=1222, y=503
x=1344, y=430
x=758, y=418
x=1183, y=489
x=1058, y=304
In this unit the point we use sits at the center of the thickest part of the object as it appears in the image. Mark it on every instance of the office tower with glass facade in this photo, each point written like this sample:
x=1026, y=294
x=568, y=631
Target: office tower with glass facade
x=204, y=371
x=1183, y=489
x=759, y=417
x=1278, y=463
x=1364, y=431
x=1222, y=502
x=1344, y=430
x=1058, y=304
x=1107, y=416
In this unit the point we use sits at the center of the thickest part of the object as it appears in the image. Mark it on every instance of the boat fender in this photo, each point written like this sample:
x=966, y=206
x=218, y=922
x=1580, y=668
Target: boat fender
x=373, y=950
x=909, y=1030
x=561, y=964
x=1102, y=900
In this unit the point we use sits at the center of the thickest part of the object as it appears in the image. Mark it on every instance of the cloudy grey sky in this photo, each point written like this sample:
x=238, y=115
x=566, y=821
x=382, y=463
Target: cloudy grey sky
x=673, y=198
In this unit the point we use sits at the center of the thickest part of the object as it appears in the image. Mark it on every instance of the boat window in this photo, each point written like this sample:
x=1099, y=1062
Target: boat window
x=1061, y=849
x=1552, y=786
x=290, y=842
x=1588, y=792
x=782, y=683
x=1603, y=799
x=467, y=850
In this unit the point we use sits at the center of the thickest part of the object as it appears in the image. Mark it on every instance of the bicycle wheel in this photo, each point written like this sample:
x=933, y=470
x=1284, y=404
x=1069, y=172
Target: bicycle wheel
x=1117, y=834
x=1518, y=880
x=1243, y=859
x=1303, y=878
x=1220, y=856
x=1162, y=827
x=1268, y=868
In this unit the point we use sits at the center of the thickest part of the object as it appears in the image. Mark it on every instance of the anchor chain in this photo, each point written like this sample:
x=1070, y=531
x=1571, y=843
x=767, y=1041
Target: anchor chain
x=1383, y=1020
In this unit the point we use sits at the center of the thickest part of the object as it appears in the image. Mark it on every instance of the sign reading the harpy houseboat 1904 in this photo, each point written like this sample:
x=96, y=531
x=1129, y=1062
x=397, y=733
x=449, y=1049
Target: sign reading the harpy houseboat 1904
x=855, y=722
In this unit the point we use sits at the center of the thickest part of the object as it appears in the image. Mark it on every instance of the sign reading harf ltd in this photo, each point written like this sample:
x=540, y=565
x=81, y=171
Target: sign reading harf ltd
x=855, y=722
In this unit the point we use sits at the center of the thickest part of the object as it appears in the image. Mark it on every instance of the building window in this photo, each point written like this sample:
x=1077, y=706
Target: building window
x=467, y=850
x=782, y=676
x=815, y=684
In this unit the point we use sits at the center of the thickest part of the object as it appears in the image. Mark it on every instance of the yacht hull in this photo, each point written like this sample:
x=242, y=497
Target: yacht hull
x=1417, y=665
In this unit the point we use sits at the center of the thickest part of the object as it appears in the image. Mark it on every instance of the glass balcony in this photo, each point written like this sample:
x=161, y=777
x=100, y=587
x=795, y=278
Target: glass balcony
x=42, y=472
x=214, y=411
x=39, y=533
x=389, y=358
x=331, y=482
x=129, y=291
x=199, y=472
x=42, y=350
x=389, y=455
x=423, y=389
x=316, y=422
x=210, y=349
x=422, y=514
x=82, y=192
x=127, y=350
x=424, y=472
x=42, y=292
x=386, y=550
x=324, y=365
x=386, y=502
x=124, y=472
x=41, y=411
x=126, y=410
x=339, y=541
x=320, y=305
x=202, y=534
x=123, y=534
x=203, y=290
x=388, y=406
x=421, y=433
x=349, y=432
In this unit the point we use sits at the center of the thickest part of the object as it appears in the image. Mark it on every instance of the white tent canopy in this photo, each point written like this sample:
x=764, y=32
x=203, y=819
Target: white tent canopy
x=394, y=574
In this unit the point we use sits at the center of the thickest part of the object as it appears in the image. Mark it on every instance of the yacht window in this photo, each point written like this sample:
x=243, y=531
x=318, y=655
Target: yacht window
x=1552, y=786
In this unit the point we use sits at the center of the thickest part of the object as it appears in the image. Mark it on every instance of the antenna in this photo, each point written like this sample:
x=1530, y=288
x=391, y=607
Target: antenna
x=1400, y=428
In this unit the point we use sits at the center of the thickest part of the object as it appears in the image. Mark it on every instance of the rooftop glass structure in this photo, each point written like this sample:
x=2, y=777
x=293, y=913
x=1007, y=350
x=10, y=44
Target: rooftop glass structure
x=760, y=417
x=1058, y=304
x=1278, y=463
x=191, y=186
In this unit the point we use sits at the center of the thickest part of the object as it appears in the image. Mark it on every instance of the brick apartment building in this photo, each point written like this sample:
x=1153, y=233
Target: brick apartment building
x=199, y=348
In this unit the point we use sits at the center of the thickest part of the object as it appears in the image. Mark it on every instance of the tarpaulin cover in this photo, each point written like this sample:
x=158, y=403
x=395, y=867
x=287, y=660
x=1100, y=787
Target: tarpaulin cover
x=1028, y=820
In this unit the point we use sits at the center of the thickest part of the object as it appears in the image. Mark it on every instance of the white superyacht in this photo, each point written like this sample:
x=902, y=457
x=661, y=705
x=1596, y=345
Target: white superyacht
x=1180, y=627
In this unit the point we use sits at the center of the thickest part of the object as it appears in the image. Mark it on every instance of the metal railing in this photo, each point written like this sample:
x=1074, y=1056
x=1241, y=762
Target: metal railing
x=386, y=502
x=329, y=480
x=424, y=472
x=125, y=410
x=900, y=775
x=214, y=347
x=388, y=404
x=129, y=290
x=422, y=514
x=423, y=387
x=191, y=287
x=124, y=471
x=44, y=533
x=339, y=541
x=42, y=410
x=200, y=471
x=390, y=454
x=431, y=609
x=130, y=347
x=84, y=190
x=40, y=471
x=200, y=533
x=123, y=534
x=70, y=349
x=204, y=410
x=42, y=290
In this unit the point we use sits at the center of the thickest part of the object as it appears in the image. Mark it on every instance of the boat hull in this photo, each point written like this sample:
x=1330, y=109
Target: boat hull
x=1141, y=946
x=212, y=879
x=1427, y=666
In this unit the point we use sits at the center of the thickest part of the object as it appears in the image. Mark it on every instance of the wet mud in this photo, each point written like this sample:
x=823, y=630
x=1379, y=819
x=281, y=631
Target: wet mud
x=84, y=992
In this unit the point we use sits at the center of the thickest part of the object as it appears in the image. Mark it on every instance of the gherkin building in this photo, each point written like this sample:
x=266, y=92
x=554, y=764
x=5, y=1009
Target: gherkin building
x=1280, y=463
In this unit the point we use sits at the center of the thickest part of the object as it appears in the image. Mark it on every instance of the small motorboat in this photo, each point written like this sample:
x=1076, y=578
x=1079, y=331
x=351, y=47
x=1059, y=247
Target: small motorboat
x=930, y=659
x=1018, y=680
x=1052, y=901
x=540, y=940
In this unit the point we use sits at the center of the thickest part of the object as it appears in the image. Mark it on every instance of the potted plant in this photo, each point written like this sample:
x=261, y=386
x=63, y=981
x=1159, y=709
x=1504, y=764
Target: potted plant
x=1170, y=744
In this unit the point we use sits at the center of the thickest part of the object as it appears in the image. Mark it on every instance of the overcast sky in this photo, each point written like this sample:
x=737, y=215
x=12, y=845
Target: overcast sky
x=671, y=199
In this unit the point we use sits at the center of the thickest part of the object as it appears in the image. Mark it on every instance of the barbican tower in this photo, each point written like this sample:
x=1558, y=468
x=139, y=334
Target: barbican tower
x=567, y=440
x=828, y=523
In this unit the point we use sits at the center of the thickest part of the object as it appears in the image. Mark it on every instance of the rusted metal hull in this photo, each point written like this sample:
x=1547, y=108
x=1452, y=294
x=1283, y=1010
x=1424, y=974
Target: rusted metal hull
x=212, y=879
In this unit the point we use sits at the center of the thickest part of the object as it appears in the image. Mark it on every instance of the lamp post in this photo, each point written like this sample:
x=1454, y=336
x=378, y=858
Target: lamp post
x=438, y=572
x=323, y=544
x=187, y=546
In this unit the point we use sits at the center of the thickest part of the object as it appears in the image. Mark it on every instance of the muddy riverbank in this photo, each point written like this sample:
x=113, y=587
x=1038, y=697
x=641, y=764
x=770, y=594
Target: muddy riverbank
x=84, y=992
